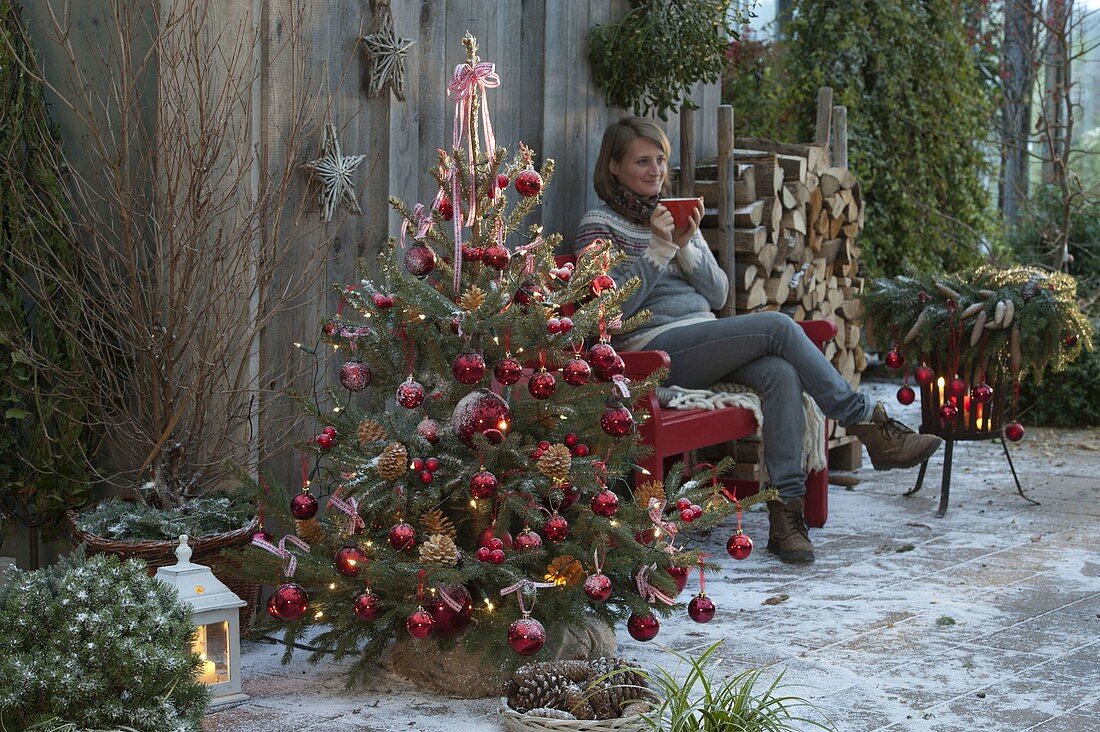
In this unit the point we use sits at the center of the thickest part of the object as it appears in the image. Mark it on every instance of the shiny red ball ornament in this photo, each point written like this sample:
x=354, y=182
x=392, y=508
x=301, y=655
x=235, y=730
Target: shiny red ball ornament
x=617, y=368
x=492, y=534
x=446, y=621
x=948, y=412
x=598, y=587
x=553, y=325
x=428, y=429
x=526, y=636
x=565, y=325
x=420, y=623
x=956, y=387
x=289, y=602
x=982, y=393
x=368, y=606
x=468, y=368
x=1071, y=340
x=382, y=300
x=542, y=385
x=350, y=560
x=502, y=181
x=426, y=477
x=402, y=536
x=924, y=375
x=556, y=528
x=679, y=575
x=445, y=208
x=617, y=420
x=569, y=496
x=483, y=484
x=601, y=283
x=529, y=292
x=906, y=395
x=894, y=359
x=263, y=535
x=577, y=372
x=701, y=608
x=601, y=355
x=739, y=546
x=528, y=183
x=481, y=412
x=419, y=260
x=497, y=256
x=581, y=450
x=325, y=441
x=355, y=375
x=1014, y=431
x=508, y=371
x=527, y=540
x=303, y=506
x=643, y=627
x=410, y=394
x=431, y=464
x=605, y=503
x=329, y=430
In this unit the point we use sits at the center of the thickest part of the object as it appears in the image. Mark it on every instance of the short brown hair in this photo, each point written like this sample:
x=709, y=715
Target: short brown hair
x=616, y=139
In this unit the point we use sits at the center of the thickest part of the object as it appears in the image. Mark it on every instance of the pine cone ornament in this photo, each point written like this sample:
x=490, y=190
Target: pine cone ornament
x=472, y=299
x=310, y=531
x=647, y=490
x=370, y=431
x=434, y=522
x=439, y=549
x=393, y=462
x=565, y=570
x=555, y=462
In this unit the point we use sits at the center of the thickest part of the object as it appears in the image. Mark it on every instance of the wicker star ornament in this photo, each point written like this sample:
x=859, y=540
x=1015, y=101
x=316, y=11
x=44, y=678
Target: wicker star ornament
x=332, y=172
x=386, y=52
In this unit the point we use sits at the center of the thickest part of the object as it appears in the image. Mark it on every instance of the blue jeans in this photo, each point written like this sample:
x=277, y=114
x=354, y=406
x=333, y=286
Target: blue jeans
x=770, y=353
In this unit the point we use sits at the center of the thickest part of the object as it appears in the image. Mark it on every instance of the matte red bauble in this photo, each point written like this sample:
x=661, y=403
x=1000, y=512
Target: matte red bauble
x=410, y=394
x=419, y=260
x=468, y=368
x=601, y=355
x=601, y=283
x=956, y=387
x=906, y=395
x=368, y=606
x=556, y=528
x=526, y=636
x=481, y=412
x=982, y=393
x=528, y=183
x=643, y=627
x=526, y=540
x=617, y=420
x=420, y=623
x=289, y=602
x=496, y=256
x=303, y=506
x=446, y=621
x=894, y=359
x=605, y=503
x=483, y=484
x=428, y=429
x=355, y=375
x=445, y=208
x=948, y=412
x=542, y=385
x=739, y=546
x=679, y=575
x=485, y=538
x=924, y=375
x=701, y=608
x=350, y=560
x=1014, y=431
x=508, y=371
x=577, y=372
x=598, y=587
x=402, y=536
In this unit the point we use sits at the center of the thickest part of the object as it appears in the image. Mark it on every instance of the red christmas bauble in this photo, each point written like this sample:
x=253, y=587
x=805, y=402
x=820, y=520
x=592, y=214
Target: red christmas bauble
x=1014, y=431
x=948, y=412
x=368, y=606
x=420, y=623
x=894, y=359
x=924, y=375
x=490, y=533
x=402, y=536
x=956, y=387
x=643, y=627
x=355, y=375
x=906, y=395
x=601, y=355
x=605, y=503
x=502, y=181
x=325, y=441
x=426, y=477
x=617, y=420
x=739, y=546
x=481, y=412
x=445, y=208
x=982, y=393
x=569, y=496
x=542, y=385
x=330, y=431
x=526, y=636
x=350, y=560
x=410, y=394
x=598, y=587
x=497, y=256
x=701, y=608
x=303, y=506
x=617, y=368
x=263, y=535
x=529, y=292
x=577, y=372
x=553, y=325
x=508, y=371
x=528, y=183
x=382, y=300
x=556, y=528
x=289, y=602
x=431, y=464
x=428, y=429
x=565, y=325
x=526, y=540
x=581, y=450
x=483, y=484
x=679, y=575
x=601, y=283
x=330, y=328
x=446, y=621
x=571, y=439
x=1071, y=340
x=419, y=260
x=468, y=368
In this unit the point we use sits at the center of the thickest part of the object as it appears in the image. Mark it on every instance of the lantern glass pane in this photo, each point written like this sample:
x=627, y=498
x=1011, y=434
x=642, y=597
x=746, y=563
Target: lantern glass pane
x=212, y=646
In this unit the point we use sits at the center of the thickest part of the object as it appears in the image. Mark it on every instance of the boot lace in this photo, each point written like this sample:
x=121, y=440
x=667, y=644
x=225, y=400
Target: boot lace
x=798, y=523
x=892, y=428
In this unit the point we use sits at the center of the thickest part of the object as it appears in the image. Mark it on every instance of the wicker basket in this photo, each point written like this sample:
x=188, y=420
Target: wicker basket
x=204, y=550
x=517, y=722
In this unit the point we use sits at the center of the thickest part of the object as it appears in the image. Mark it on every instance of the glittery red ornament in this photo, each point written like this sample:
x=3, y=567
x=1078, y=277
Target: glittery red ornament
x=526, y=540
x=956, y=387
x=598, y=587
x=289, y=602
x=1014, y=431
x=617, y=420
x=894, y=359
x=701, y=608
x=445, y=208
x=679, y=575
x=528, y=183
x=601, y=283
x=481, y=412
x=556, y=528
x=420, y=623
x=350, y=560
x=355, y=375
x=605, y=503
x=982, y=393
x=906, y=395
x=325, y=441
x=577, y=372
x=526, y=636
x=410, y=394
x=502, y=181
x=643, y=627
x=483, y=484
x=739, y=546
x=492, y=534
x=508, y=371
x=303, y=506
x=402, y=536
x=368, y=606
x=468, y=368
x=601, y=355
x=446, y=621
x=948, y=412
x=428, y=429
x=497, y=256
x=542, y=385
x=924, y=375
x=419, y=260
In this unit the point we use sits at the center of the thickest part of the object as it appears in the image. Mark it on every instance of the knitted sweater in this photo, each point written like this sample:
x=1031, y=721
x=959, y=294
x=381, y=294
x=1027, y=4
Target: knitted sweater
x=679, y=286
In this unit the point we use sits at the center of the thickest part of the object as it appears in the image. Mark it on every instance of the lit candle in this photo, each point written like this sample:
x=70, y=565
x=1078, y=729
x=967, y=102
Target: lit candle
x=209, y=673
x=939, y=390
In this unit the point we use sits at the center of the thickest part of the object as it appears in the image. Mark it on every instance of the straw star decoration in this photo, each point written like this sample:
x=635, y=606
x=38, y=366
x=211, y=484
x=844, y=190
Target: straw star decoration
x=332, y=171
x=387, y=54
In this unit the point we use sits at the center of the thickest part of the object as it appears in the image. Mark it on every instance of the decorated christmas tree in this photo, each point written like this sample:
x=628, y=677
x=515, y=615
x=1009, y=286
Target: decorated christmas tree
x=485, y=505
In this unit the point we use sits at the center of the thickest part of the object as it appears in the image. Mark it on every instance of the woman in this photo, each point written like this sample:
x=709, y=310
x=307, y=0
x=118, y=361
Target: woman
x=681, y=284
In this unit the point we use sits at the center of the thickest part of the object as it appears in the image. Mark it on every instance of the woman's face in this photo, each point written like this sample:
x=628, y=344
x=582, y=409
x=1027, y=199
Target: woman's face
x=643, y=168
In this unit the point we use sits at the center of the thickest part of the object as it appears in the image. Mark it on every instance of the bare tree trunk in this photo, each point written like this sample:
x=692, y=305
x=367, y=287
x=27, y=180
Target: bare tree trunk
x=1016, y=55
x=1056, y=61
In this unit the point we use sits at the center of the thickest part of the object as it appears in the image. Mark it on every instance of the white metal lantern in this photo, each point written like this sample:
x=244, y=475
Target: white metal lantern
x=217, y=624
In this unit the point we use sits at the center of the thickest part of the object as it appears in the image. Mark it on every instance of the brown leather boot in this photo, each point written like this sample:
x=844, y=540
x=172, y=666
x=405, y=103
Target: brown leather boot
x=788, y=536
x=891, y=444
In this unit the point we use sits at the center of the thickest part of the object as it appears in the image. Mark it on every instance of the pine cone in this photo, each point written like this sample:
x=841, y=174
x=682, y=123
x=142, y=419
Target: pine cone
x=647, y=490
x=310, y=531
x=472, y=299
x=434, y=522
x=565, y=570
x=555, y=462
x=439, y=549
x=370, y=431
x=393, y=462
x=534, y=686
x=577, y=704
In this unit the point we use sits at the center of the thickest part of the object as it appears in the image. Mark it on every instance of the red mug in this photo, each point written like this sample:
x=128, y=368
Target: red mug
x=681, y=209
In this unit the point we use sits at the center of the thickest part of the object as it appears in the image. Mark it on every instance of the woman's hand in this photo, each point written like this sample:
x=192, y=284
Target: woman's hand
x=661, y=224
x=681, y=237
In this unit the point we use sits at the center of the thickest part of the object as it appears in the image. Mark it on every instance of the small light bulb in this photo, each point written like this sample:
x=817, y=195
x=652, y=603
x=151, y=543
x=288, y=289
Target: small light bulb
x=336, y=408
x=473, y=503
x=297, y=345
x=613, y=522
x=332, y=586
x=645, y=472
x=370, y=543
x=319, y=615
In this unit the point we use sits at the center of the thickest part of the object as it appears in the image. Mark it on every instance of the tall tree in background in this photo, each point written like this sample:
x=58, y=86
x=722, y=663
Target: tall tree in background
x=1018, y=74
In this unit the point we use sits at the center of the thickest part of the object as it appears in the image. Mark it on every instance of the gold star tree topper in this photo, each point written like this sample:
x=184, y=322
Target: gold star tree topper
x=332, y=172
